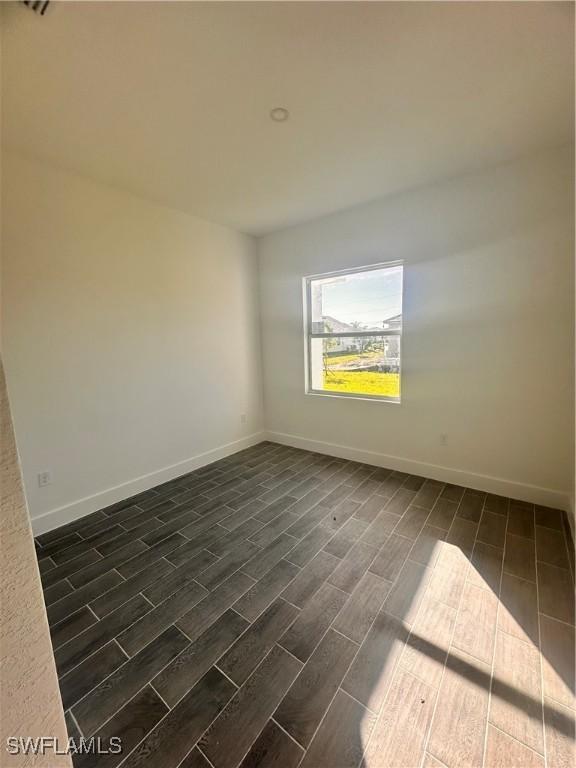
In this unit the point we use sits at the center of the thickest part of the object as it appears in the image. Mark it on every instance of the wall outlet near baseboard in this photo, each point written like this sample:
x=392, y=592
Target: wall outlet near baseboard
x=243, y=418
x=443, y=438
x=44, y=478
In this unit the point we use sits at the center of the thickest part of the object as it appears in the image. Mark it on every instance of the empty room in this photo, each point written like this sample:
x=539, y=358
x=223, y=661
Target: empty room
x=288, y=471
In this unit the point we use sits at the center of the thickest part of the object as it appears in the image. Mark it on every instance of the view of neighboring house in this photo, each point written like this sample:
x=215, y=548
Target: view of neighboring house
x=390, y=345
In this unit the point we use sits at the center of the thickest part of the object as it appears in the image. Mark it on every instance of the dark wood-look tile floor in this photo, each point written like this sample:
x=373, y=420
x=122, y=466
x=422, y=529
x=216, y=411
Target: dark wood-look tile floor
x=284, y=608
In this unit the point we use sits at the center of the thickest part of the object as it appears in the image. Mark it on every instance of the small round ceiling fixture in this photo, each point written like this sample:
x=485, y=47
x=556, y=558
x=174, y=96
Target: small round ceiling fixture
x=279, y=114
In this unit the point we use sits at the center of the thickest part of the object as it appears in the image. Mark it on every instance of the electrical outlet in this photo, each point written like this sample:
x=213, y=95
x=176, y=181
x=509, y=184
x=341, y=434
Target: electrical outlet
x=44, y=478
x=443, y=439
x=243, y=418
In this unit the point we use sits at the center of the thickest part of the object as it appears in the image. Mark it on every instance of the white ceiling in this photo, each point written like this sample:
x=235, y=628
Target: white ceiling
x=171, y=100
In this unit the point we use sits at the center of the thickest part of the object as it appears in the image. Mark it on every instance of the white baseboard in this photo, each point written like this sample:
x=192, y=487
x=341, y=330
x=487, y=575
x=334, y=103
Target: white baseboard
x=76, y=509
x=548, y=497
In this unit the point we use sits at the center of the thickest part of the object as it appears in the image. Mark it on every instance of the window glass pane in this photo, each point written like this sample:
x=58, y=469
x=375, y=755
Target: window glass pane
x=370, y=300
x=361, y=365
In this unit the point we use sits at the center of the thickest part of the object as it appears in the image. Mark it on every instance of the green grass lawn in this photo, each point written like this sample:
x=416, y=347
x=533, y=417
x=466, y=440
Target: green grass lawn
x=363, y=382
x=348, y=357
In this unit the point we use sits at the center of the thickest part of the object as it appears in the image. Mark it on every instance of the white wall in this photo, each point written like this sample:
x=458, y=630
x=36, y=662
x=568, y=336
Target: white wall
x=487, y=346
x=131, y=338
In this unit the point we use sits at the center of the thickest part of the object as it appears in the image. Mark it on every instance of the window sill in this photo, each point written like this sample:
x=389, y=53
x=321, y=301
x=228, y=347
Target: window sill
x=352, y=396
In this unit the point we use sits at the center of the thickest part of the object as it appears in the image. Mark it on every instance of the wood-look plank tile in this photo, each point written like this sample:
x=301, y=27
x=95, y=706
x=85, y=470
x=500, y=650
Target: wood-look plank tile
x=389, y=561
x=452, y=493
x=352, y=567
x=273, y=748
x=278, y=507
x=58, y=546
x=176, y=578
x=458, y=729
x=175, y=735
x=46, y=564
x=340, y=515
x=560, y=734
x=195, y=759
x=96, y=541
x=502, y=751
x=371, y=673
x=428, y=494
x=72, y=602
x=521, y=519
x=226, y=543
x=407, y=593
x=267, y=558
x=117, y=689
x=148, y=556
x=205, y=613
x=399, y=736
x=360, y=610
x=428, y=546
x=268, y=533
x=412, y=522
x=232, y=734
x=556, y=592
x=470, y=507
x=217, y=515
x=310, y=579
x=400, y=502
x=306, y=503
x=558, y=653
x=340, y=739
x=64, y=530
x=476, y=623
x=462, y=534
x=190, y=665
x=431, y=762
x=71, y=567
x=71, y=626
x=90, y=673
x=310, y=545
x=518, y=613
x=57, y=592
x=307, y=630
x=492, y=529
x=551, y=547
x=247, y=652
x=370, y=509
x=111, y=600
x=414, y=482
x=379, y=531
x=365, y=490
x=157, y=619
x=442, y=514
x=549, y=518
x=497, y=504
x=186, y=549
x=177, y=522
x=486, y=567
x=516, y=701
x=305, y=704
x=130, y=724
x=266, y=590
x=93, y=638
x=308, y=521
x=520, y=558
x=429, y=641
x=118, y=559
x=227, y=565
x=446, y=585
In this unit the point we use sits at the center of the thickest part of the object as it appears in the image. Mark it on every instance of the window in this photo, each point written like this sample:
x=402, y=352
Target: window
x=353, y=332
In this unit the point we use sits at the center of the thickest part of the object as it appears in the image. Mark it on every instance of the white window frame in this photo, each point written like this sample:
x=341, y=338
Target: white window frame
x=309, y=334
